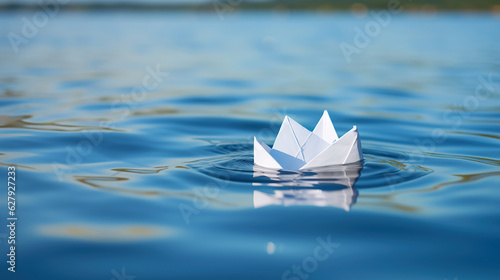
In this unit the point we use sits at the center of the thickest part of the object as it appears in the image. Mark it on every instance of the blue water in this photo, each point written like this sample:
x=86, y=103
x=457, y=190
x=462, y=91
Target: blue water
x=116, y=180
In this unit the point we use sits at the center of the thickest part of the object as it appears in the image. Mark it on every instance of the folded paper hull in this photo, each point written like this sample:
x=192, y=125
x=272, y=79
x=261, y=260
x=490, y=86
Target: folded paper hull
x=346, y=150
x=297, y=148
x=335, y=175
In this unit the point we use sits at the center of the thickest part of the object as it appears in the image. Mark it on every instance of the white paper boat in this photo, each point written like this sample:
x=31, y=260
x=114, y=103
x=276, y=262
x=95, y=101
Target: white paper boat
x=338, y=175
x=297, y=148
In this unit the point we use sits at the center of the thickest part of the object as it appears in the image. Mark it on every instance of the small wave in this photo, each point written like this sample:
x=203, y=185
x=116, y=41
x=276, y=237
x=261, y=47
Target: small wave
x=381, y=168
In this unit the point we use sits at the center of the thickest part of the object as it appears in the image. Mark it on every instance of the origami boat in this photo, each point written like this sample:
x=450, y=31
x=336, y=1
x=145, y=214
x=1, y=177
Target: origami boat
x=297, y=148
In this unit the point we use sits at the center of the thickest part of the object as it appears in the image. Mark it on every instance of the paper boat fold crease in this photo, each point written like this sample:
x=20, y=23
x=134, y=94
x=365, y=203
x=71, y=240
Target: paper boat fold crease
x=297, y=148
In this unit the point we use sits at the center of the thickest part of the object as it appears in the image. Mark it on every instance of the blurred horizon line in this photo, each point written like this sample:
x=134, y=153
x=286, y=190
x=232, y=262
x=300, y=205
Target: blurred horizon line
x=277, y=5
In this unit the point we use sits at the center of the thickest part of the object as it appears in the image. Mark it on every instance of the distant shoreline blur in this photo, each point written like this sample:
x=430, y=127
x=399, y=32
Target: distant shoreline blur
x=277, y=5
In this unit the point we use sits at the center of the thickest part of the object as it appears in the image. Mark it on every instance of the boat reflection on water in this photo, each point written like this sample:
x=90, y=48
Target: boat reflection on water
x=326, y=186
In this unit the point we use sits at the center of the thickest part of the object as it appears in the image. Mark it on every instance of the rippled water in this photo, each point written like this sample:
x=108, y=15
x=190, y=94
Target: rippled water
x=117, y=180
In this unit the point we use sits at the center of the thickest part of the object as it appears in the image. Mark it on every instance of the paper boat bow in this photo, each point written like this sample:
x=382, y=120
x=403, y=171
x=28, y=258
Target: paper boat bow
x=297, y=148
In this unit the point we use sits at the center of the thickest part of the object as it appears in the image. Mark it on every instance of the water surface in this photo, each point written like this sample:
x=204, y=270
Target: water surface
x=132, y=136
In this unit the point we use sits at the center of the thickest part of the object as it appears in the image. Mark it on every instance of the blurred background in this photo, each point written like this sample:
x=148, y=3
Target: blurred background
x=130, y=125
x=414, y=5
